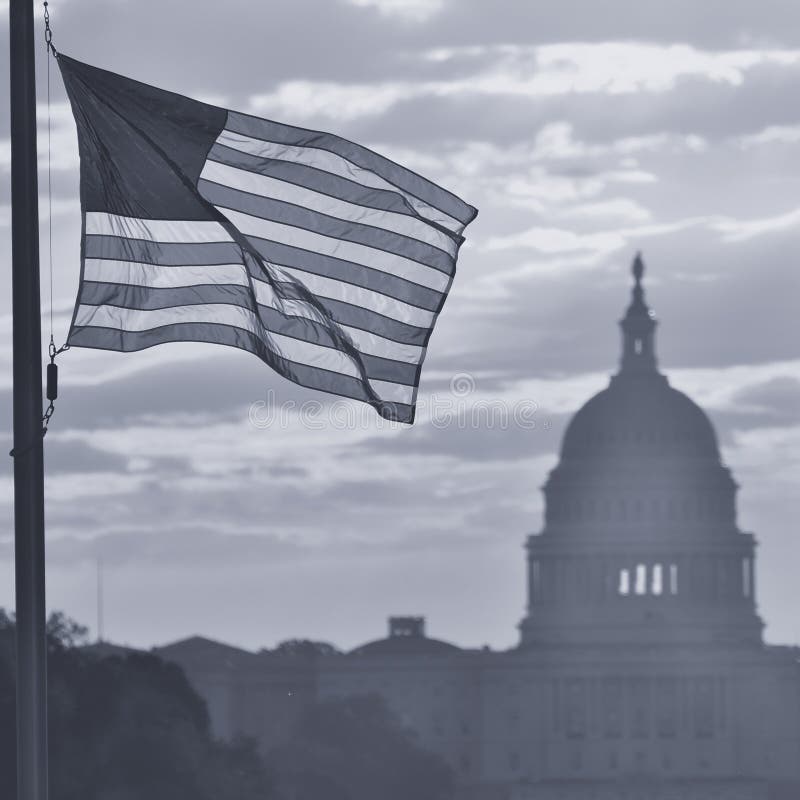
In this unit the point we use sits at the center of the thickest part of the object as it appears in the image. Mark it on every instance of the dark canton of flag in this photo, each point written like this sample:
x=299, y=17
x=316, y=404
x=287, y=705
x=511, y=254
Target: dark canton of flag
x=328, y=261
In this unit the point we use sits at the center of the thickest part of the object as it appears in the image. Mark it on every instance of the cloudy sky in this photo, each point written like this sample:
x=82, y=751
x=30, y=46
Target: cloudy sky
x=225, y=501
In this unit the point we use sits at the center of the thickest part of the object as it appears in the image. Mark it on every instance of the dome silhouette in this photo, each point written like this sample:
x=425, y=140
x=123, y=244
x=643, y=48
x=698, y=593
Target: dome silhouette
x=638, y=416
x=406, y=638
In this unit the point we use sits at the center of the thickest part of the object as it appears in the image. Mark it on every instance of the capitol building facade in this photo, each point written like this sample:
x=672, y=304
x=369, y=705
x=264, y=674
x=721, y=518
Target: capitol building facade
x=640, y=672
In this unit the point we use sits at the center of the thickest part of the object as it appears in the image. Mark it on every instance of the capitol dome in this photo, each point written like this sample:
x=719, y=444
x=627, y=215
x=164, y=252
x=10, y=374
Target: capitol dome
x=637, y=417
x=639, y=414
x=640, y=535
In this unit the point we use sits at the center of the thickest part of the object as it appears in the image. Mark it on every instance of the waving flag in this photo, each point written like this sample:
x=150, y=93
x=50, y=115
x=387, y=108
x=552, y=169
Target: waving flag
x=328, y=261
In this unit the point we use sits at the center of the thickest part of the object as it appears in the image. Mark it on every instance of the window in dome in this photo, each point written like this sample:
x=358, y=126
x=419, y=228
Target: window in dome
x=637, y=346
x=624, y=582
x=656, y=585
x=746, y=588
x=673, y=579
x=641, y=579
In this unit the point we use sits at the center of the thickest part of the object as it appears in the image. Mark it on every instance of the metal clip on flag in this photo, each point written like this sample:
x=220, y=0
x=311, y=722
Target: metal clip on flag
x=328, y=261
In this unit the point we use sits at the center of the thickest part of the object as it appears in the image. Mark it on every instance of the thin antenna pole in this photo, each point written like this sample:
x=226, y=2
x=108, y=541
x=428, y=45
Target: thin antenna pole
x=100, y=609
x=28, y=464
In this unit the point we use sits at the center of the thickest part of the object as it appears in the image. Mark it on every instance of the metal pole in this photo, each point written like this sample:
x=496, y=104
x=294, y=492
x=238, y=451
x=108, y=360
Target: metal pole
x=100, y=609
x=28, y=466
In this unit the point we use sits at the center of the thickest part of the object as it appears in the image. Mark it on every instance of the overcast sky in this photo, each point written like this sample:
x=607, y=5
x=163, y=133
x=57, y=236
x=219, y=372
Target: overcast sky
x=583, y=131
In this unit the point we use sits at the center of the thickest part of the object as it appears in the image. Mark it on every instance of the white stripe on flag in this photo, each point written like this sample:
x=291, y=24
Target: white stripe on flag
x=99, y=223
x=369, y=343
x=264, y=186
x=336, y=165
x=389, y=263
x=332, y=289
x=296, y=350
x=155, y=276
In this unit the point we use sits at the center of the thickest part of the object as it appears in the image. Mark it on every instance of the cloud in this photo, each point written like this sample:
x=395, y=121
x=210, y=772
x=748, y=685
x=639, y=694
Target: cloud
x=742, y=230
x=409, y=10
x=63, y=140
x=608, y=69
x=552, y=241
x=621, y=208
x=306, y=100
x=558, y=240
x=772, y=134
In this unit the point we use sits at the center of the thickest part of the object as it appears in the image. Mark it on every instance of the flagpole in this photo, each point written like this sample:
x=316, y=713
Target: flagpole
x=28, y=460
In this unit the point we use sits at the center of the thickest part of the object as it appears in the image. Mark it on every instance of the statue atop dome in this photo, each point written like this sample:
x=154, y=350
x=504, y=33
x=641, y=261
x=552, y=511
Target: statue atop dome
x=638, y=330
x=638, y=268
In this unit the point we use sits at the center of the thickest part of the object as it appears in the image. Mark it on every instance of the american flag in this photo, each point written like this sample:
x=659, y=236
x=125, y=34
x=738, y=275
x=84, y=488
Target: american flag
x=327, y=260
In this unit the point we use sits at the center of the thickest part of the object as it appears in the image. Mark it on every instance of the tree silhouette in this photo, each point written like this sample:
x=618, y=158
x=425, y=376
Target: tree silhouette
x=306, y=648
x=125, y=728
x=356, y=749
x=130, y=726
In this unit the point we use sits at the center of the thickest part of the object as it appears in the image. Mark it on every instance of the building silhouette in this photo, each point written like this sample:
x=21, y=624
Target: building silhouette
x=640, y=673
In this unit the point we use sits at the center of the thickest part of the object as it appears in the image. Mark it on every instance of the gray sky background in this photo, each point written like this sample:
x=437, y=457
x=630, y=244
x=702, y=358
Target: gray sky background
x=583, y=131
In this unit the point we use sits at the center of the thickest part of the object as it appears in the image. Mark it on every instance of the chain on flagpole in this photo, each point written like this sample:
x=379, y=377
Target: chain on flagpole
x=48, y=34
x=53, y=351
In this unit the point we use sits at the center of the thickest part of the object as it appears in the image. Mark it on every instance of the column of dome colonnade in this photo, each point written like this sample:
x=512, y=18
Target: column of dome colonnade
x=640, y=542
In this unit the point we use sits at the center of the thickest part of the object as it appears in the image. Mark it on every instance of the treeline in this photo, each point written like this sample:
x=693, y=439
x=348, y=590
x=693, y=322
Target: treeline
x=127, y=727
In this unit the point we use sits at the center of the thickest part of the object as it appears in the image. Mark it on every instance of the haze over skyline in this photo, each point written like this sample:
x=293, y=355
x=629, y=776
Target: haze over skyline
x=582, y=134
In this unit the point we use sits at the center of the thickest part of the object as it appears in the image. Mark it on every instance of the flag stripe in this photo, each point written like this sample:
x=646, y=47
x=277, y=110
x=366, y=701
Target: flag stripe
x=414, y=320
x=262, y=229
x=260, y=186
x=364, y=317
x=155, y=230
x=373, y=302
x=295, y=350
x=226, y=199
x=310, y=377
x=165, y=254
x=362, y=158
x=181, y=231
x=316, y=179
x=160, y=277
x=293, y=258
x=367, y=340
x=349, y=273
x=326, y=161
x=279, y=319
